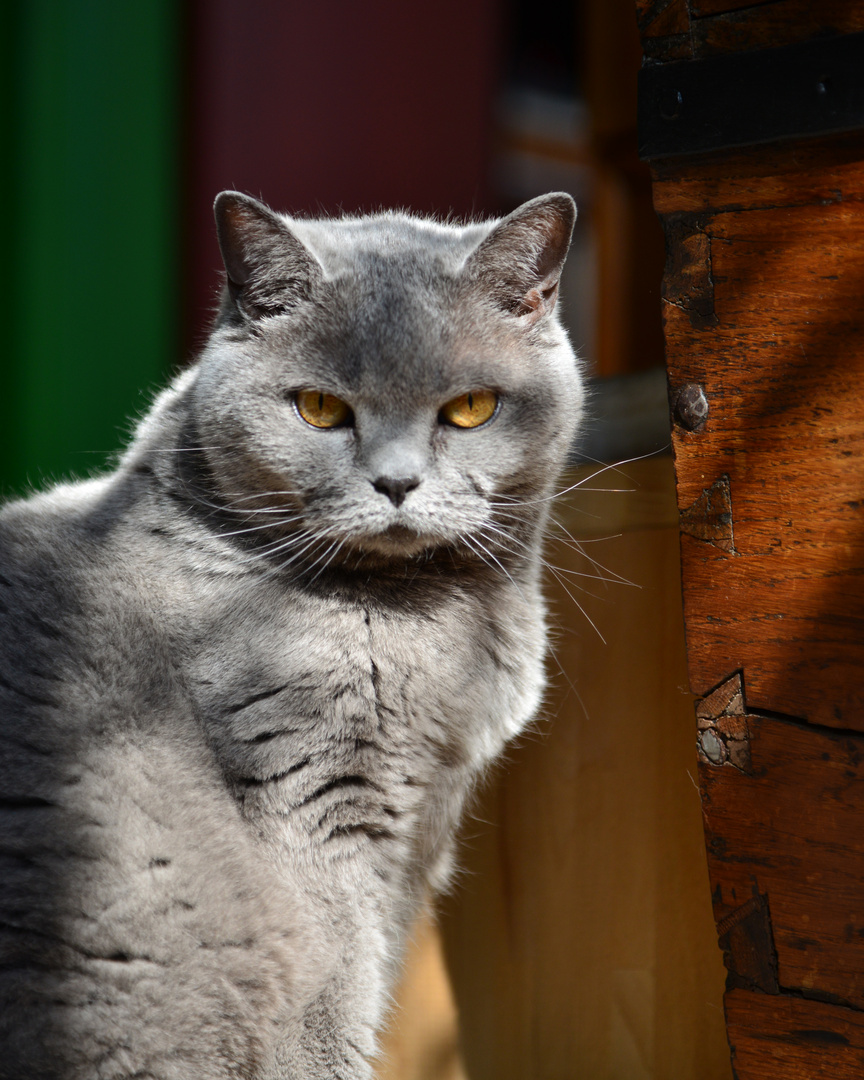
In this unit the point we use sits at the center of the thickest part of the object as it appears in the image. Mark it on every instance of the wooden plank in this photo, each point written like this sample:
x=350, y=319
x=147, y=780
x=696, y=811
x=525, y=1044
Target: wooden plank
x=659, y=19
x=768, y=26
x=783, y=1038
x=784, y=826
x=580, y=936
x=749, y=163
x=764, y=309
x=677, y=30
x=700, y=8
x=737, y=188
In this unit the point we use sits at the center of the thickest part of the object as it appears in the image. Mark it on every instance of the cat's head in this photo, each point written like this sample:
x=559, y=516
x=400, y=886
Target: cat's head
x=389, y=385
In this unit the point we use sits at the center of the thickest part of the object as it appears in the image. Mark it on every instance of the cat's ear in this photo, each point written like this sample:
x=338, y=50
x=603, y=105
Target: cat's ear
x=269, y=270
x=521, y=260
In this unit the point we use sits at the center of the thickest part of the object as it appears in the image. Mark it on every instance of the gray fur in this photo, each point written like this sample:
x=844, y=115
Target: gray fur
x=244, y=694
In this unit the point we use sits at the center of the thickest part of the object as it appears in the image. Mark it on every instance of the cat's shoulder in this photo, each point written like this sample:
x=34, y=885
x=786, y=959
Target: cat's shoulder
x=47, y=528
x=69, y=552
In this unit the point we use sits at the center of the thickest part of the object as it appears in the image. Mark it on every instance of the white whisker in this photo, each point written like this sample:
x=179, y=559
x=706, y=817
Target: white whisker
x=586, y=479
x=328, y=556
x=181, y=449
x=499, y=564
x=258, y=528
x=267, y=551
x=505, y=540
x=585, y=614
x=311, y=540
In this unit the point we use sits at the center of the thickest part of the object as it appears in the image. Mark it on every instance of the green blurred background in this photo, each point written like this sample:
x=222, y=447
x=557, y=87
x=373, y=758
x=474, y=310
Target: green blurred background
x=90, y=190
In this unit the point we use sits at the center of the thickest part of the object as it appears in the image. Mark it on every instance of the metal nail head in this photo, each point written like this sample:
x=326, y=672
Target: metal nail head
x=691, y=407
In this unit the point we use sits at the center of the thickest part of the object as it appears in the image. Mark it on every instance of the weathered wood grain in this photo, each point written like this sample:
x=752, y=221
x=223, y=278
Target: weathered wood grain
x=816, y=173
x=784, y=825
x=763, y=297
x=769, y=25
x=699, y=9
x=783, y=160
x=766, y=312
x=679, y=30
x=781, y=1038
x=662, y=18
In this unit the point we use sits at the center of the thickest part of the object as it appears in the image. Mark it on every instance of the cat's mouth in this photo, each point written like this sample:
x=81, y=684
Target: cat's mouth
x=398, y=541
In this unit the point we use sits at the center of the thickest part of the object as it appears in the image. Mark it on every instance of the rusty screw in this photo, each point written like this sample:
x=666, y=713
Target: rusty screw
x=691, y=407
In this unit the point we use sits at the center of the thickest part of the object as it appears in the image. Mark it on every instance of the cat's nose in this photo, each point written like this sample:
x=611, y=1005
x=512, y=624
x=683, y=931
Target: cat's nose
x=396, y=488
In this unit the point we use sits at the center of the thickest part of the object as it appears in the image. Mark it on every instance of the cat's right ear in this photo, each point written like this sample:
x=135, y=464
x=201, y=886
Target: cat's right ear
x=519, y=263
x=269, y=271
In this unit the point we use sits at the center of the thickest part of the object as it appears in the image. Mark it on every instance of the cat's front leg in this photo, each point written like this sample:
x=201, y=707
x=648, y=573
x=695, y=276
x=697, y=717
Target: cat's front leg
x=345, y=983
x=332, y=1045
x=326, y=1043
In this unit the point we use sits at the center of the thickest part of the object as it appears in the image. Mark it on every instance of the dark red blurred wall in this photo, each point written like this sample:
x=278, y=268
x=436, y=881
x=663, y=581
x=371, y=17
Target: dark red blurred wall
x=320, y=107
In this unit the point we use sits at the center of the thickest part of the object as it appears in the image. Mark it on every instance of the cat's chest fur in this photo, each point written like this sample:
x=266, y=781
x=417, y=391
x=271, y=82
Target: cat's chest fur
x=349, y=731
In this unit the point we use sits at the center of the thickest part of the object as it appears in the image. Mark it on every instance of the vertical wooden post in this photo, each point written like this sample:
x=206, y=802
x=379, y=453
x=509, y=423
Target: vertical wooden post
x=763, y=300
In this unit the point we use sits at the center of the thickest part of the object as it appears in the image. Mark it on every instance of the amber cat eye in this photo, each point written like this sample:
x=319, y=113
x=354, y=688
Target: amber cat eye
x=471, y=409
x=322, y=410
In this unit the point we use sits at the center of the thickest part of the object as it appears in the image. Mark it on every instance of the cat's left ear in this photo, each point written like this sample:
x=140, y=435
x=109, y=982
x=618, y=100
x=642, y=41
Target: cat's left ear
x=269, y=270
x=521, y=260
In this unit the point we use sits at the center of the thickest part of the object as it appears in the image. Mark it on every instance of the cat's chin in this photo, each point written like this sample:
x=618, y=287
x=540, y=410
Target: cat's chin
x=398, y=542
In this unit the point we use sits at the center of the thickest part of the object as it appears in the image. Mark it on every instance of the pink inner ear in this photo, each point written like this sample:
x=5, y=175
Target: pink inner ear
x=521, y=259
x=237, y=219
x=537, y=302
x=556, y=234
x=532, y=300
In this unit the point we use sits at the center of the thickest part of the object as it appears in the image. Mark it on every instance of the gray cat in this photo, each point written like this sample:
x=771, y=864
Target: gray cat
x=248, y=679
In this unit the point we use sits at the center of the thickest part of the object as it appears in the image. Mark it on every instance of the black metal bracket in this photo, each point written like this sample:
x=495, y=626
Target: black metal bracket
x=740, y=99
